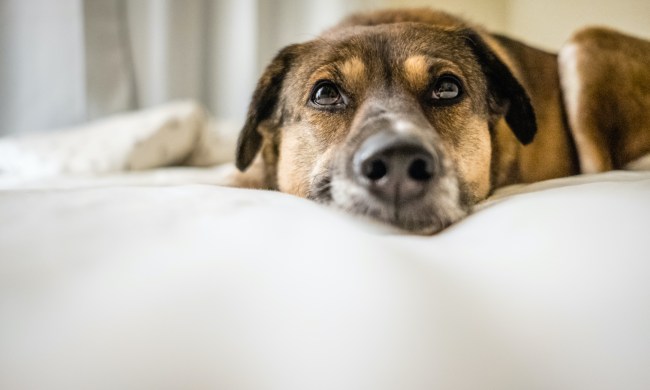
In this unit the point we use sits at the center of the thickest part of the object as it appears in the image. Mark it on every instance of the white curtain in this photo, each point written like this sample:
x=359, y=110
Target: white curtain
x=68, y=61
x=41, y=64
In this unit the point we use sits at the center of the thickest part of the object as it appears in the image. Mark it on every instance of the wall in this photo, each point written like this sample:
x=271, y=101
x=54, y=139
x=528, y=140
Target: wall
x=550, y=23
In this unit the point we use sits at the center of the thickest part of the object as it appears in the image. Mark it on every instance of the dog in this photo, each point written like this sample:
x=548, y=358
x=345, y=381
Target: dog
x=414, y=116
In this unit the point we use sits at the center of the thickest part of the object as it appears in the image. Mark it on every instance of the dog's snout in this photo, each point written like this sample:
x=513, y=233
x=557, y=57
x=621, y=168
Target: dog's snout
x=394, y=168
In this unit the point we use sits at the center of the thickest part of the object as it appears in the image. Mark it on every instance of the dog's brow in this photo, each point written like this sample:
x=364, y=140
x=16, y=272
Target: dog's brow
x=416, y=70
x=353, y=69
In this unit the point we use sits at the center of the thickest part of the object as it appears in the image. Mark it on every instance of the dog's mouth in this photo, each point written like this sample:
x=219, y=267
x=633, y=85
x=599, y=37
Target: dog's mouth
x=428, y=214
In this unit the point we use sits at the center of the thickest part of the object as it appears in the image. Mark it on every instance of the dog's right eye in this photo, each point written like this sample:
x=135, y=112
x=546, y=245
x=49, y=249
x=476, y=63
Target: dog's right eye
x=326, y=94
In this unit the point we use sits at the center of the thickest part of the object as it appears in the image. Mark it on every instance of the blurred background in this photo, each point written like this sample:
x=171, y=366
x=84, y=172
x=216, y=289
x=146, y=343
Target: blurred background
x=66, y=62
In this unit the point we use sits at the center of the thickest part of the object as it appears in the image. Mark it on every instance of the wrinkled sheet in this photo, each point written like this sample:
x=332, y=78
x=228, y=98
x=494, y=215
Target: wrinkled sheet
x=149, y=281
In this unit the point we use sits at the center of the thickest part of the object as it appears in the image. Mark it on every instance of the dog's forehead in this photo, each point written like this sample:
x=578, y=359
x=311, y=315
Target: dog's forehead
x=375, y=54
x=394, y=41
x=361, y=56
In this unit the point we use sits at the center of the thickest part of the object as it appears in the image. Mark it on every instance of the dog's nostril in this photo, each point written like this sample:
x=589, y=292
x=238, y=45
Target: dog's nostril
x=375, y=169
x=420, y=170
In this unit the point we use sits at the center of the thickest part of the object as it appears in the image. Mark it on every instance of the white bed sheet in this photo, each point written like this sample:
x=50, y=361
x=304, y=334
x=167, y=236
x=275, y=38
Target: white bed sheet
x=148, y=281
x=160, y=279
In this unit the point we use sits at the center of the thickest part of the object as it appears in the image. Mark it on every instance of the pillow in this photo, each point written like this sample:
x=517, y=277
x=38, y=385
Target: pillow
x=156, y=137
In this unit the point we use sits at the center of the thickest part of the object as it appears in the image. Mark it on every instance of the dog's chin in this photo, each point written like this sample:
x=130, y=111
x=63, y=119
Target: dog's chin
x=415, y=217
x=428, y=215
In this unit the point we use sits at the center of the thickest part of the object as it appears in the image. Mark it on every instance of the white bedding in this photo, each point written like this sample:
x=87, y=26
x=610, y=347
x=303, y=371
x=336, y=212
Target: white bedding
x=148, y=280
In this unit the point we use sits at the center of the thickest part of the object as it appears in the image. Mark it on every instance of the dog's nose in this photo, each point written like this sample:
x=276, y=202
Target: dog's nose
x=395, y=168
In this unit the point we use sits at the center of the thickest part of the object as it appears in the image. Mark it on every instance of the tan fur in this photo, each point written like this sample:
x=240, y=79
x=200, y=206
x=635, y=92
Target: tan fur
x=606, y=79
x=354, y=70
x=470, y=156
x=416, y=71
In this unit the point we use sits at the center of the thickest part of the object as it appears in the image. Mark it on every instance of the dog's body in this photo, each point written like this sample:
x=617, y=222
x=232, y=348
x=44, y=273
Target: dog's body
x=414, y=116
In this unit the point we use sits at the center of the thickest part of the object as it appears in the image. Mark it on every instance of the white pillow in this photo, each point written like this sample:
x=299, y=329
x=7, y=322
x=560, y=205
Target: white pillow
x=160, y=136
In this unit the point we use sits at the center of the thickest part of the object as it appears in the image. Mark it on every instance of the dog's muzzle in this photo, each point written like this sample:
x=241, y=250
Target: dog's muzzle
x=395, y=168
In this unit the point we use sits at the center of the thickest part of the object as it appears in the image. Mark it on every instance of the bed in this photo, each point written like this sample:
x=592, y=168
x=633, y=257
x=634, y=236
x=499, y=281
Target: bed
x=117, y=271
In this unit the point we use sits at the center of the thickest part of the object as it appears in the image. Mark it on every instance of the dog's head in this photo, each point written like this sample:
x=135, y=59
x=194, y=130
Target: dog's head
x=393, y=121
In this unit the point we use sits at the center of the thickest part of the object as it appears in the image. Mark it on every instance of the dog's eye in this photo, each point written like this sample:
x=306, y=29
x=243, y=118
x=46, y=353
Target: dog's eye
x=446, y=88
x=326, y=94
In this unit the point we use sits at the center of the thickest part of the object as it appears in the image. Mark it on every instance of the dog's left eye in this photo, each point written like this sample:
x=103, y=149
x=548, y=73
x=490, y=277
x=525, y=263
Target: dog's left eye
x=446, y=88
x=326, y=94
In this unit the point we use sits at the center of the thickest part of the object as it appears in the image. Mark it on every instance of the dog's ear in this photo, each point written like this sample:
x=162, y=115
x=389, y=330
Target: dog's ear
x=262, y=106
x=505, y=88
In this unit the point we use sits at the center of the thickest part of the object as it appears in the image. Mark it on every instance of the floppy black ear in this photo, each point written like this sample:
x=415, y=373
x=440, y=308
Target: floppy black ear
x=262, y=105
x=503, y=85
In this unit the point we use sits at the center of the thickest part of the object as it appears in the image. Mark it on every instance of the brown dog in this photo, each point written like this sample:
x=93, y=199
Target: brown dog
x=412, y=117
